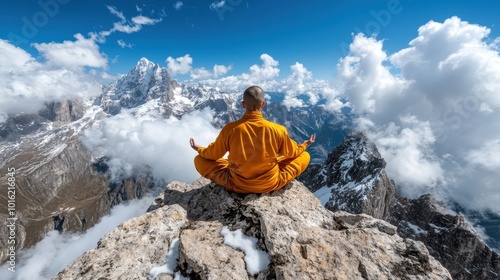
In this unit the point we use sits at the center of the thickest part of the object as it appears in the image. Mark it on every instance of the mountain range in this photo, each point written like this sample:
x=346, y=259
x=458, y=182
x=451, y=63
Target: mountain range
x=53, y=166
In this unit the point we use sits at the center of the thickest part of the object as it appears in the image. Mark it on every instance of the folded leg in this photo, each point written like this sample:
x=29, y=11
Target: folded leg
x=215, y=170
x=290, y=168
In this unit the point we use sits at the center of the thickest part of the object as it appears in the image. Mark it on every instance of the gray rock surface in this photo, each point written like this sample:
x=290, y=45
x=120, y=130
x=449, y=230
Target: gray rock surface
x=448, y=236
x=303, y=239
x=353, y=179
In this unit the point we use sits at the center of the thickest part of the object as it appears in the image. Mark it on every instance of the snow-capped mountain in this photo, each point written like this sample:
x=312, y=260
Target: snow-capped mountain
x=147, y=81
x=149, y=88
x=353, y=179
x=53, y=167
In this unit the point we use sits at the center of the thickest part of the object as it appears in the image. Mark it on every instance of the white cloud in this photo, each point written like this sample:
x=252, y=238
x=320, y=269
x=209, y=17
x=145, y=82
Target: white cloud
x=56, y=251
x=294, y=85
x=432, y=108
x=117, y=13
x=268, y=70
x=221, y=70
x=217, y=5
x=132, y=142
x=299, y=82
x=133, y=25
x=180, y=65
x=183, y=65
x=178, y=5
x=26, y=84
x=411, y=162
x=487, y=156
x=142, y=20
x=262, y=75
x=122, y=44
x=367, y=82
x=73, y=54
x=200, y=73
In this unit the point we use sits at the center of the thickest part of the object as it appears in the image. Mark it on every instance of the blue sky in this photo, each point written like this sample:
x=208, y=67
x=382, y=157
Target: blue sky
x=314, y=33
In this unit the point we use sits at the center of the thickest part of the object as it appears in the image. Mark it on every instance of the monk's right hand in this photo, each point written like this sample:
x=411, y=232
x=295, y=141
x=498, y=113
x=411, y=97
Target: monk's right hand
x=193, y=144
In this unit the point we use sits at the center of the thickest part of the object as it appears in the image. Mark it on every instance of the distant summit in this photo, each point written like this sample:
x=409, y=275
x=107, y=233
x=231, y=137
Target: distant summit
x=145, y=82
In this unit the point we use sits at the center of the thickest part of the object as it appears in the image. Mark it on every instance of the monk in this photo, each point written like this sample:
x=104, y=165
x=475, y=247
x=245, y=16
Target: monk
x=262, y=156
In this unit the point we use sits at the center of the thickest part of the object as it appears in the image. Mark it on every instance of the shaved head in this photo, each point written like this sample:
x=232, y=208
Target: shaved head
x=253, y=98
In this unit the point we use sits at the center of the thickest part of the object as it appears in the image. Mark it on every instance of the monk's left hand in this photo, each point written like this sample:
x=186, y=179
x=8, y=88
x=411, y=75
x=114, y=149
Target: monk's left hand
x=311, y=140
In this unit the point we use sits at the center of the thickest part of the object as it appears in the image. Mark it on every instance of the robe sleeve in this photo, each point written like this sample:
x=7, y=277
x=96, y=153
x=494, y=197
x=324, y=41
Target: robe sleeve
x=289, y=148
x=216, y=149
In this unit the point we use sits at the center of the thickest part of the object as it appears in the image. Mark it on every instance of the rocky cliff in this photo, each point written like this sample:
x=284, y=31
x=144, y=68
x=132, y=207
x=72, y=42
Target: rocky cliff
x=296, y=236
x=59, y=185
x=353, y=179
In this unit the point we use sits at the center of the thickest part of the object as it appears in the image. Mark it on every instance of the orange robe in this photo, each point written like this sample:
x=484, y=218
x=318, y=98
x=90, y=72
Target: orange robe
x=262, y=156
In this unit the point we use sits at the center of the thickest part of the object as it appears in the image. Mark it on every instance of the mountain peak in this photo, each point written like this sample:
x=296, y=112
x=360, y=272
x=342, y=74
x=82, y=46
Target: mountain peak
x=288, y=228
x=144, y=65
x=145, y=82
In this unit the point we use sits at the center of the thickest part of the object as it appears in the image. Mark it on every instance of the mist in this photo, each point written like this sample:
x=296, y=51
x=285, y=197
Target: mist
x=56, y=251
x=161, y=144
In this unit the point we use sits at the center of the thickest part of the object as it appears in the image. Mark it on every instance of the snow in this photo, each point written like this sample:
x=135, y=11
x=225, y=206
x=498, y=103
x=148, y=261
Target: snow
x=416, y=229
x=323, y=194
x=437, y=229
x=171, y=263
x=256, y=260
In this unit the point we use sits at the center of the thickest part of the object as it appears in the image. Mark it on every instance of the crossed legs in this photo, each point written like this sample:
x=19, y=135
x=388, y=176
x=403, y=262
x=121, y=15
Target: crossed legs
x=218, y=171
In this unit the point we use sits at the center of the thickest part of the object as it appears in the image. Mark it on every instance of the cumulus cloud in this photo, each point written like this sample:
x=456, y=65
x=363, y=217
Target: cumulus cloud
x=294, y=85
x=268, y=70
x=72, y=54
x=300, y=88
x=221, y=70
x=200, y=73
x=436, y=115
x=262, y=75
x=162, y=144
x=183, y=65
x=26, y=84
x=180, y=65
x=56, y=251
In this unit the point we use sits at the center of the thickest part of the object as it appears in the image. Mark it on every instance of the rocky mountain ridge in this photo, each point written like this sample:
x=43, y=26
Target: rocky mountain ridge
x=302, y=239
x=53, y=166
x=353, y=179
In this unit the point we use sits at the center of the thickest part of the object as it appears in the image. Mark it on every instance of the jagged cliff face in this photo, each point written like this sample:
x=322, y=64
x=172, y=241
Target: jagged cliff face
x=145, y=83
x=447, y=235
x=59, y=186
x=353, y=179
x=301, y=239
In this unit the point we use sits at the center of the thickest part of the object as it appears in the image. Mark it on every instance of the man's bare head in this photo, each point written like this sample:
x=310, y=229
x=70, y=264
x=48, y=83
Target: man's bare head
x=253, y=98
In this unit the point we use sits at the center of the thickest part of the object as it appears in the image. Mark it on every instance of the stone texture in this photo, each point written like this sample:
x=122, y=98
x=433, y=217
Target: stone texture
x=448, y=237
x=304, y=240
x=355, y=173
x=132, y=249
